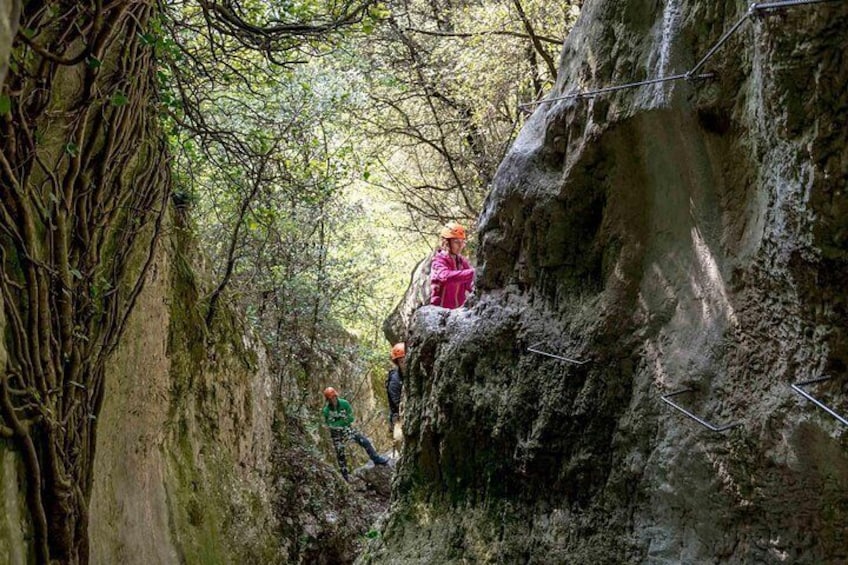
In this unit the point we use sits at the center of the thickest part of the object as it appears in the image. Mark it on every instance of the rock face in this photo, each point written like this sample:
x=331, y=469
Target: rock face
x=9, y=13
x=686, y=235
x=183, y=467
x=417, y=295
x=193, y=463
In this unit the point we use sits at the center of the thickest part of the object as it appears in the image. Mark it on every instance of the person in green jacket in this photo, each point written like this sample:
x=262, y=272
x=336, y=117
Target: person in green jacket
x=338, y=415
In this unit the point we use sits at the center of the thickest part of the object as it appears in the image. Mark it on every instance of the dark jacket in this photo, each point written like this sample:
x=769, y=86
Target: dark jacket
x=394, y=388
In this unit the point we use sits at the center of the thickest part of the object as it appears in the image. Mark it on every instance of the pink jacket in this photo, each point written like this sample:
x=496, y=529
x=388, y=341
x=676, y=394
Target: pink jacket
x=451, y=279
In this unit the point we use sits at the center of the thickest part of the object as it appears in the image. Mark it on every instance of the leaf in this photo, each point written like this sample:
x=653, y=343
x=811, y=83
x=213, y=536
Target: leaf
x=379, y=11
x=93, y=62
x=76, y=273
x=119, y=99
x=5, y=104
x=71, y=149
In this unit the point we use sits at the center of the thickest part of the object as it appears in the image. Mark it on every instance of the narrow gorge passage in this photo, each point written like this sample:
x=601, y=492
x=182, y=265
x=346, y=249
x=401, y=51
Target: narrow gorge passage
x=519, y=281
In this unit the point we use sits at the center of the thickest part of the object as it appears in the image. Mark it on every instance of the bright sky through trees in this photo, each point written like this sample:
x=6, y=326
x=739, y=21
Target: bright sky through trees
x=320, y=183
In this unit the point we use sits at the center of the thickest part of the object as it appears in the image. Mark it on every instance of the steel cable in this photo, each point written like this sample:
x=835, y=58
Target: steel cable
x=719, y=43
x=785, y=3
x=691, y=73
x=592, y=93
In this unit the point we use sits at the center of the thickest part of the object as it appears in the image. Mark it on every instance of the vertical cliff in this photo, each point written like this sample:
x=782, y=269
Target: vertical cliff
x=688, y=234
x=196, y=461
x=184, y=453
x=13, y=526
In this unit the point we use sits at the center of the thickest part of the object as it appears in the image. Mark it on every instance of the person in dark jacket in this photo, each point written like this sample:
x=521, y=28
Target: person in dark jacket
x=394, y=383
x=338, y=415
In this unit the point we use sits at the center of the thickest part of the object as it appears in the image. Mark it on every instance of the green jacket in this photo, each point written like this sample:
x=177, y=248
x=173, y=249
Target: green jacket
x=339, y=417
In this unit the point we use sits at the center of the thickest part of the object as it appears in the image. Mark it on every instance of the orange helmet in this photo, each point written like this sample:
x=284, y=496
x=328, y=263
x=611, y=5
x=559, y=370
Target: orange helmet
x=398, y=351
x=453, y=230
x=330, y=393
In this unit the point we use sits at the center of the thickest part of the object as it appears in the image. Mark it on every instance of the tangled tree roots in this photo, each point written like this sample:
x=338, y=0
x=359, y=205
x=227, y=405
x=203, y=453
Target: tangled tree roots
x=85, y=187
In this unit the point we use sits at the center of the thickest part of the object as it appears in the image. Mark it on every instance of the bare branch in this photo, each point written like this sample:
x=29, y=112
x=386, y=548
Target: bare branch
x=437, y=33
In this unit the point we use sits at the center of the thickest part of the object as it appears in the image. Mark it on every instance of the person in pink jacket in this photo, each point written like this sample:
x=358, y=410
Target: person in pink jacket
x=451, y=276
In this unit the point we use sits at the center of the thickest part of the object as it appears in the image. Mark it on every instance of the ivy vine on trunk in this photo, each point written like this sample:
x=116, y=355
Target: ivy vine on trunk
x=85, y=184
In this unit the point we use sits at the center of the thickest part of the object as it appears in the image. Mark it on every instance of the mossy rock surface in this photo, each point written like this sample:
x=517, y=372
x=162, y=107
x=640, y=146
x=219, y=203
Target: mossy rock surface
x=677, y=236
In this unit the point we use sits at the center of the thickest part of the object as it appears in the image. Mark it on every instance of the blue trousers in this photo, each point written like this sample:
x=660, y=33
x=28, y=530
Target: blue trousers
x=341, y=436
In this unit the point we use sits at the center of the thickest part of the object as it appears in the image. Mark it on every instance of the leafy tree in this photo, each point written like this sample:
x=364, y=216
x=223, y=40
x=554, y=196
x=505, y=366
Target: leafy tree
x=443, y=103
x=418, y=99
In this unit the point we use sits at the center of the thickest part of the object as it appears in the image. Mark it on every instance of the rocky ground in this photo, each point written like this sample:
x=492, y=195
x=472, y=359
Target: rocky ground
x=331, y=520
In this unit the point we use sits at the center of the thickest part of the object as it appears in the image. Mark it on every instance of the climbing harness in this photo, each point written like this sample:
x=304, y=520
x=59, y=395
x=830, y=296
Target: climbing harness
x=665, y=398
x=691, y=74
x=797, y=388
x=532, y=349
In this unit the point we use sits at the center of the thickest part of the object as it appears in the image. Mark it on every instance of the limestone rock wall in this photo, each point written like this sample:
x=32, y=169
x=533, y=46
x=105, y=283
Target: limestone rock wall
x=183, y=467
x=129, y=505
x=9, y=13
x=679, y=235
x=13, y=525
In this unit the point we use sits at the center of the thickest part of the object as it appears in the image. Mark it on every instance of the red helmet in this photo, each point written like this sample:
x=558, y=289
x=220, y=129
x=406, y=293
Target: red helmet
x=398, y=351
x=330, y=393
x=453, y=230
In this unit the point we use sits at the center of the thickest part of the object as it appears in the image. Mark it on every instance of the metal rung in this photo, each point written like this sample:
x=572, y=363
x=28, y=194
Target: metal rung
x=797, y=388
x=533, y=349
x=665, y=398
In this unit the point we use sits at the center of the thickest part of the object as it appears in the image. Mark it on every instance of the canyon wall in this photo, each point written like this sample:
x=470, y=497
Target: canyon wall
x=183, y=471
x=684, y=235
x=13, y=527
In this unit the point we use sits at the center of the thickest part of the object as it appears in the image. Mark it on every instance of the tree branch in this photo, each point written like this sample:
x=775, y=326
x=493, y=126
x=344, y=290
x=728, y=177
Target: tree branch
x=537, y=41
x=532, y=37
